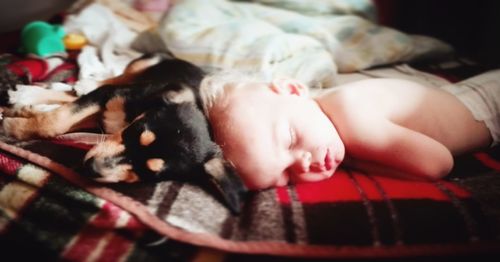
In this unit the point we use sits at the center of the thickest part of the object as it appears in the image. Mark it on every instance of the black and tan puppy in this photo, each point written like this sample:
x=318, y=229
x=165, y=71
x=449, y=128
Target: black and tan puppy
x=158, y=130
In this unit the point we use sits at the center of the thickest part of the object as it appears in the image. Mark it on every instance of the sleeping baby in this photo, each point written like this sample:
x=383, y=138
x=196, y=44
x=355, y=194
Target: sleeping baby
x=275, y=133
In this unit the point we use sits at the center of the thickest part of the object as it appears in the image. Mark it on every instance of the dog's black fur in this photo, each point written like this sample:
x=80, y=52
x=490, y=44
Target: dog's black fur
x=162, y=134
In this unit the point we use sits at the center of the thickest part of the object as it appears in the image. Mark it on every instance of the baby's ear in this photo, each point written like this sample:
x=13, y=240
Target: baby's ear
x=289, y=86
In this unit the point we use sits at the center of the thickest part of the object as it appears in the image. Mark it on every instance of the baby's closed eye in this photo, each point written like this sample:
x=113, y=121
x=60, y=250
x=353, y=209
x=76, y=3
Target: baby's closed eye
x=293, y=138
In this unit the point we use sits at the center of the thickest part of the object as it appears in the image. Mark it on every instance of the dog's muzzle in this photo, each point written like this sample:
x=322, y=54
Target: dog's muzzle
x=109, y=170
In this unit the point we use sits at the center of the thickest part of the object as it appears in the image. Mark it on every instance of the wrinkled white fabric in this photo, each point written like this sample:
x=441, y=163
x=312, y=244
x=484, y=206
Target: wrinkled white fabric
x=109, y=50
x=285, y=38
x=481, y=95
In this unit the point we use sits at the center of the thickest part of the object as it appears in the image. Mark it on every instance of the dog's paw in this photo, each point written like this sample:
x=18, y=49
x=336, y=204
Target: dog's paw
x=85, y=86
x=58, y=86
x=23, y=94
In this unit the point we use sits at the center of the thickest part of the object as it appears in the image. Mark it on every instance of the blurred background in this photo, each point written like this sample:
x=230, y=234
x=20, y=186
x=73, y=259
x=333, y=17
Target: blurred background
x=472, y=27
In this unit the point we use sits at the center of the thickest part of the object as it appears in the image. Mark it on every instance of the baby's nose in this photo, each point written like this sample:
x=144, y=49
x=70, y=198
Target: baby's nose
x=303, y=162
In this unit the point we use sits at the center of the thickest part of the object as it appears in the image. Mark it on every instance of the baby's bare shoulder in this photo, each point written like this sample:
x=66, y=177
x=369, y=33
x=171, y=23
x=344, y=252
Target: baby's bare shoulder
x=359, y=106
x=373, y=96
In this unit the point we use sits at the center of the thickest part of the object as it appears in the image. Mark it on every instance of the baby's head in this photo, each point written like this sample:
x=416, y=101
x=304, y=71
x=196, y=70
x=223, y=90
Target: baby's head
x=271, y=131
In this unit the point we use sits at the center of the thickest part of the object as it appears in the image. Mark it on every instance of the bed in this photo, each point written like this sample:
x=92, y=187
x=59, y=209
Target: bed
x=48, y=210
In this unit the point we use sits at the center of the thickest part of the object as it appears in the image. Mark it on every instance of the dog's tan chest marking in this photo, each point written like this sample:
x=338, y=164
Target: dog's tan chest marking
x=147, y=137
x=114, y=118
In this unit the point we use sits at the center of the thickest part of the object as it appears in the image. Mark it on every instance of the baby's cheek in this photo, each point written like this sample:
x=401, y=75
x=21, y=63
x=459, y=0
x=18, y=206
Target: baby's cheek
x=282, y=181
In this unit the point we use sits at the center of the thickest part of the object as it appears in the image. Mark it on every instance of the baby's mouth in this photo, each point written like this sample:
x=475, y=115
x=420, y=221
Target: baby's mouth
x=326, y=165
x=328, y=160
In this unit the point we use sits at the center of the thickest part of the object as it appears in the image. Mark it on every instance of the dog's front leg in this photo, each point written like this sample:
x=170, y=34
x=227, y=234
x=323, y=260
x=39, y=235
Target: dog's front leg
x=48, y=124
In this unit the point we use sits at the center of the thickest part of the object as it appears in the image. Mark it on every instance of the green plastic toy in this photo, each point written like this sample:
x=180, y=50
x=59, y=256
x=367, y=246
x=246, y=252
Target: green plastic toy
x=42, y=39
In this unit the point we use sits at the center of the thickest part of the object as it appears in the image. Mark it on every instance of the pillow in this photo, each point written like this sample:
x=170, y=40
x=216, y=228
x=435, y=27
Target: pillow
x=252, y=37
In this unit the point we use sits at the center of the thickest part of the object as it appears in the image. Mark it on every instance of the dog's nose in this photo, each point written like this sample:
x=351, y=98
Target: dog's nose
x=91, y=169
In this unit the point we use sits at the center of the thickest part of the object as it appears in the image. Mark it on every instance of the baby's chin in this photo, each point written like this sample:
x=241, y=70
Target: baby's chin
x=259, y=185
x=338, y=154
x=328, y=174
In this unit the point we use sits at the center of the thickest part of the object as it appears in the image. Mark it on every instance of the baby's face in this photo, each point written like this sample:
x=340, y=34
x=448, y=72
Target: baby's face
x=275, y=134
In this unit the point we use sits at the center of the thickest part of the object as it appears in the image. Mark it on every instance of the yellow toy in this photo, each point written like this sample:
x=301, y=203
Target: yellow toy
x=74, y=41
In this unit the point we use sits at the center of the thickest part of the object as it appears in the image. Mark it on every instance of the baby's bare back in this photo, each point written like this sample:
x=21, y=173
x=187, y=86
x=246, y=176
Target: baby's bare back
x=429, y=111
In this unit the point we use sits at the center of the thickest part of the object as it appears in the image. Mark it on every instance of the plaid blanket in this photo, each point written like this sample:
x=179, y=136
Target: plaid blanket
x=349, y=215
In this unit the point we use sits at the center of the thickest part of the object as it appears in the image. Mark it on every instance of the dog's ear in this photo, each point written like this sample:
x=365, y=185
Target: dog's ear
x=226, y=183
x=183, y=95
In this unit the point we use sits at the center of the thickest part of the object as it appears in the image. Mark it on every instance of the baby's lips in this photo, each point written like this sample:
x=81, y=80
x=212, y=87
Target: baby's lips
x=328, y=160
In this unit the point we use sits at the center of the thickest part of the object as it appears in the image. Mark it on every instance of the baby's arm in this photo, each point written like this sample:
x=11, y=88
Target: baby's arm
x=390, y=149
